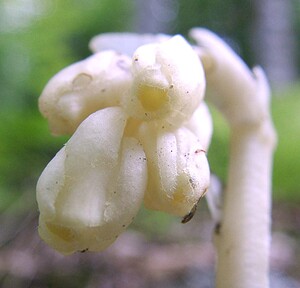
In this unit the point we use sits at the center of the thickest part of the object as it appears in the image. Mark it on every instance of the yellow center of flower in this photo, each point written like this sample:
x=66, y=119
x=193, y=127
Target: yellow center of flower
x=179, y=196
x=152, y=98
x=64, y=233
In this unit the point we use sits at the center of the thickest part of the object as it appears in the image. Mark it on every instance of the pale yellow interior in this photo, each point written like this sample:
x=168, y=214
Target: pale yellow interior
x=152, y=98
x=64, y=233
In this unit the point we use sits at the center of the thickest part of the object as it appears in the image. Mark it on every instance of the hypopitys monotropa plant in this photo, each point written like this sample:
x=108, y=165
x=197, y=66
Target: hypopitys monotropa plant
x=141, y=130
x=140, y=134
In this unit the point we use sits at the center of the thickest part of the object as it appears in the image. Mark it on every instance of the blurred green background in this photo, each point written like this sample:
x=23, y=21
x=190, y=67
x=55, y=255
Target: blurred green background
x=40, y=37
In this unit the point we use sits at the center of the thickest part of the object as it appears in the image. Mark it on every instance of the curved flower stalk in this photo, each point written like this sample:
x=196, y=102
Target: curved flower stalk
x=243, y=237
x=145, y=130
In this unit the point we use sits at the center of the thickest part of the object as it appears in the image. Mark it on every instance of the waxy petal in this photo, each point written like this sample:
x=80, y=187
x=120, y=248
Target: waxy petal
x=168, y=82
x=125, y=43
x=83, y=88
x=91, y=191
x=178, y=171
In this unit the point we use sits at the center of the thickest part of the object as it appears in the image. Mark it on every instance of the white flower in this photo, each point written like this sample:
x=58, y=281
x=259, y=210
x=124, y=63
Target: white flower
x=83, y=88
x=125, y=43
x=92, y=189
x=143, y=140
x=168, y=82
x=178, y=171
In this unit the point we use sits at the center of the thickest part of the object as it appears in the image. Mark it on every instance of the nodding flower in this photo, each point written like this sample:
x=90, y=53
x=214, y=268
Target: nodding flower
x=140, y=132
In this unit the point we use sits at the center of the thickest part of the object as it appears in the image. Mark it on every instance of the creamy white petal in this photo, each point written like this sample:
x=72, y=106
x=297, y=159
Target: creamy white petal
x=97, y=82
x=178, y=171
x=201, y=125
x=50, y=183
x=168, y=82
x=125, y=43
x=102, y=179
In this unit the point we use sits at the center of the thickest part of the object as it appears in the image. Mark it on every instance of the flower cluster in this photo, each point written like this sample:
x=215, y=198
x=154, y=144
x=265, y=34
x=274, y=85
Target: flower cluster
x=140, y=131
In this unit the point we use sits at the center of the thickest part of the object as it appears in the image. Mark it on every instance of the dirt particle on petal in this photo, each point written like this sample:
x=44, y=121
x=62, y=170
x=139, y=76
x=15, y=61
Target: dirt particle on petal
x=199, y=151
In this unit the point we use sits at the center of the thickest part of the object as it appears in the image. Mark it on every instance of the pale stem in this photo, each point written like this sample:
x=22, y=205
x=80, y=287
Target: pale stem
x=243, y=234
x=243, y=239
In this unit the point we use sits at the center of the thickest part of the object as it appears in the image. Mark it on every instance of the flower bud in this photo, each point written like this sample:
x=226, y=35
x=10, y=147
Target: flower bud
x=125, y=43
x=168, y=82
x=83, y=88
x=92, y=189
x=178, y=171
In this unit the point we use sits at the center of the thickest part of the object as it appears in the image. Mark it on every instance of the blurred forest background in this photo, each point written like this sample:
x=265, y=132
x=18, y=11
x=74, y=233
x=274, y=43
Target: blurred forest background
x=40, y=37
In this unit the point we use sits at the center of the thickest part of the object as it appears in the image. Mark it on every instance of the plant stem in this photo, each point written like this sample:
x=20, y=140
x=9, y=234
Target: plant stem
x=243, y=235
x=243, y=240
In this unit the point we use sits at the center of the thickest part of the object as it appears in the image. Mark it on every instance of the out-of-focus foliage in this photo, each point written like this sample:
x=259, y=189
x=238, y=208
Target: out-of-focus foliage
x=231, y=19
x=297, y=27
x=218, y=154
x=26, y=146
x=55, y=34
x=286, y=116
x=38, y=38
